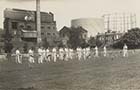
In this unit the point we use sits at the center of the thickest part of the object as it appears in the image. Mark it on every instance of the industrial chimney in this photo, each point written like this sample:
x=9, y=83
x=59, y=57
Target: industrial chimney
x=38, y=21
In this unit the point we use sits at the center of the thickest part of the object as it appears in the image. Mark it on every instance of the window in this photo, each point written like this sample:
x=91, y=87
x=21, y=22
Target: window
x=48, y=33
x=14, y=25
x=49, y=27
x=42, y=27
x=28, y=27
x=42, y=33
x=53, y=27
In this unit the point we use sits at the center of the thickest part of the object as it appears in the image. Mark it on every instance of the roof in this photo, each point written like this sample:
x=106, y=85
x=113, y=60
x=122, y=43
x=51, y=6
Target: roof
x=20, y=14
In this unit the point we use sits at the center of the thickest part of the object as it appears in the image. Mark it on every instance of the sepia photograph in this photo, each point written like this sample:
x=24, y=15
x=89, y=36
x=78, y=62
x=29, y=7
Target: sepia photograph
x=69, y=45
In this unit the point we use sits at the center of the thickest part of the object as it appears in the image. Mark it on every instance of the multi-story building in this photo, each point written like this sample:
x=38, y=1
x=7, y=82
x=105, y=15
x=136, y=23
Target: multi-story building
x=21, y=25
x=109, y=37
x=1, y=40
x=66, y=33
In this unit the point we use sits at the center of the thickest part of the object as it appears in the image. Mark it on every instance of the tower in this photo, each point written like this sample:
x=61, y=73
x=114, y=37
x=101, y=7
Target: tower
x=38, y=21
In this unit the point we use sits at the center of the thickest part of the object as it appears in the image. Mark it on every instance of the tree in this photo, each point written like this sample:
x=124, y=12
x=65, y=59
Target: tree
x=131, y=39
x=45, y=43
x=92, y=42
x=76, y=39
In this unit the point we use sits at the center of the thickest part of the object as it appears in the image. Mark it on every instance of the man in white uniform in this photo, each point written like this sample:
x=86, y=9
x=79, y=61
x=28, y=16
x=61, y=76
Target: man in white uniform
x=125, y=51
x=40, y=56
x=31, y=56
x=105, y=51
x=79, y=53
x=71, y=53
x=96, y=52
x=66, y=54
x=48, y=55
x=43, y=54
x=84, y=53
x=87, y=52
x=18, y=56
x=54, y=54
x=61, y=54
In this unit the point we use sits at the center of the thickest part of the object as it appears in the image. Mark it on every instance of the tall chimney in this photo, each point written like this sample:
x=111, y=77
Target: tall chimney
x=38, y=21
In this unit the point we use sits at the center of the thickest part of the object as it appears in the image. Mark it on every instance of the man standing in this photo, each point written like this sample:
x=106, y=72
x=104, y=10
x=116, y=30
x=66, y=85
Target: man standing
x=105, y=51
x=48, y=54
x=71, y=53
x=87, y=52
x=96, y=52
x=125, y=51
x=40, y=56
x=66, y=54
x=79, y=53
x=61, y=54
x=18, y=56
x=31, y=55
x=54, y=54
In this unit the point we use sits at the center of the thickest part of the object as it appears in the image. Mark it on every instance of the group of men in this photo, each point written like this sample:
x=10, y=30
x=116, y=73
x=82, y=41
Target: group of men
x=64, y=54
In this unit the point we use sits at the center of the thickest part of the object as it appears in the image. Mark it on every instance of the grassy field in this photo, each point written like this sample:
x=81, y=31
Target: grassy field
x=103, y=73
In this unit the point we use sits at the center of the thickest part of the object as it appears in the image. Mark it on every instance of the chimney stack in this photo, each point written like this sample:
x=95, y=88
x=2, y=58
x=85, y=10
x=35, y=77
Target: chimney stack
x=38, y=21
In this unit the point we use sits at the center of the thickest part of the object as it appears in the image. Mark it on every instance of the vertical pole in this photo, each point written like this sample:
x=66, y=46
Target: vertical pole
x=131, y=21
x=124, y=23
x=135, y=21
x=38, y=21
x=108, y=22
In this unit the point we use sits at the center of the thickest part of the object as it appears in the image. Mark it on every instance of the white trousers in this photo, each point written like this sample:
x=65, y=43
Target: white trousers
x=31, y=59
x=18, y=59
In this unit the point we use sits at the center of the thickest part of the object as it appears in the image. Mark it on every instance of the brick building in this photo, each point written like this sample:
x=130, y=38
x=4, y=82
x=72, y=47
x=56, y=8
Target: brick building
x=21, y=25
x=66, y=33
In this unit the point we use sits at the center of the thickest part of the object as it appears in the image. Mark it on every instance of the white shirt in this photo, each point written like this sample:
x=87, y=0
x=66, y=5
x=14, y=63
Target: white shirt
x=40, y=51
x=54, y=50
x=30, y=52
x=17, y=52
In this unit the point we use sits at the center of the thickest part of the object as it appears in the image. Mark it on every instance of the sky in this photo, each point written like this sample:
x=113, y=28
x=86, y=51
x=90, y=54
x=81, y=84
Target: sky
x=66, y=10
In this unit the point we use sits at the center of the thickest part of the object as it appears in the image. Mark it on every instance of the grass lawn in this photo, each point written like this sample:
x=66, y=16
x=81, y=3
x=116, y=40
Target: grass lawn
x=103, y=73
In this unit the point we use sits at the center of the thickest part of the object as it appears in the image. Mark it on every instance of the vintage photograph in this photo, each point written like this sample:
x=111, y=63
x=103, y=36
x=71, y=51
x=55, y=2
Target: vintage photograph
x=69, y=45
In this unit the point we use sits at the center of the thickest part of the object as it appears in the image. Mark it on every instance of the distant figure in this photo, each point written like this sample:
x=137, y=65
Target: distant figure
x=84, y=53
x=31, y=56
x=79, y=53
x=71, y=53
x=48, y=55
x=43, y=54
x=88, y=52
x=66, y=54
x=18, y=56
x=105, y=51
x=125, y=51
x=96, y=52
x=40, y=55
x=54, y=53
x=61, y=54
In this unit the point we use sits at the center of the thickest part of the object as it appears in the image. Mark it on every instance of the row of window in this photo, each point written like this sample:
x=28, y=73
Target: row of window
x=49, y=27
x=15, y=26
x=48, y=34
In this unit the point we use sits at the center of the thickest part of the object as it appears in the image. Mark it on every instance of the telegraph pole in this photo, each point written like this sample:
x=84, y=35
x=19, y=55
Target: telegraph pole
x=38, y=22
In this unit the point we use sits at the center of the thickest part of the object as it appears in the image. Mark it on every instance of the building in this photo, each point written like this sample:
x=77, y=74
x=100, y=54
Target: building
x=21, y=25
x=1, y=40
x=109, y=37
x=66, y=33
x=92, y=25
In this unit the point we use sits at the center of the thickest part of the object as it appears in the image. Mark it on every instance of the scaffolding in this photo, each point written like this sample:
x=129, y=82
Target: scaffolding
x=120, y=22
